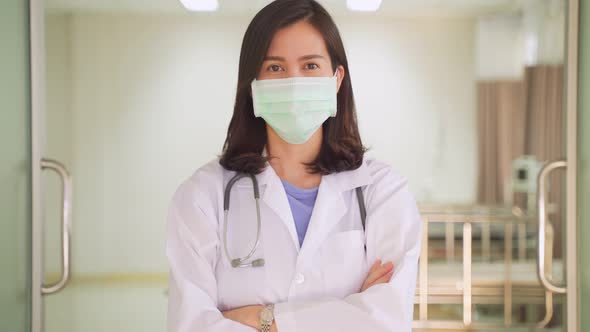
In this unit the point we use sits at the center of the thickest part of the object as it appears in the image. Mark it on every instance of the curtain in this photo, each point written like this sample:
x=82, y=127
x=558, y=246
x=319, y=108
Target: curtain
x=517, y=118
x=501, y=118
x=544, y=91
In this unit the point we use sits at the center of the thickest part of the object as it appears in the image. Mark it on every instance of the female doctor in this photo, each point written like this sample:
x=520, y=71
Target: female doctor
x=288, y=230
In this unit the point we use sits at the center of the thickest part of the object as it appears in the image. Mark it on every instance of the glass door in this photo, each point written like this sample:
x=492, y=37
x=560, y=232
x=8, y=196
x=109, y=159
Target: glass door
x=504, y=257
x=15, y=168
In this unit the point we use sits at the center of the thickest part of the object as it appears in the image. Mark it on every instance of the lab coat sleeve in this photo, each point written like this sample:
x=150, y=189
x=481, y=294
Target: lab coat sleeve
x=393, y=234
x=191, y=248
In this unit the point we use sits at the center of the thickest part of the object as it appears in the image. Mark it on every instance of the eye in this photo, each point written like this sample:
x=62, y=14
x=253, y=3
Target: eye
x=274, y=68
x=311, y=66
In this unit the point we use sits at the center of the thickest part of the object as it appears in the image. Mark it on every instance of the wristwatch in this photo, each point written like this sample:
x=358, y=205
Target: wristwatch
x=266, y=318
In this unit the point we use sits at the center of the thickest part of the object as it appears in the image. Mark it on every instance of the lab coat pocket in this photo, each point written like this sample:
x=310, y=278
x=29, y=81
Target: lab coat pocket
x=343, y=263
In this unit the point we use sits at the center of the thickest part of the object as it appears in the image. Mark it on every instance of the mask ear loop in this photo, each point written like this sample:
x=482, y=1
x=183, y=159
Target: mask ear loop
x=336, y=76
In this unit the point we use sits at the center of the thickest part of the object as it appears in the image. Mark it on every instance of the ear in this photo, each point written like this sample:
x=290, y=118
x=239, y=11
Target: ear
x=340, y=72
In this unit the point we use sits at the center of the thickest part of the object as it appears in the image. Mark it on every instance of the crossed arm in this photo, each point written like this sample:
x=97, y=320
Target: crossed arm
x=249, y=315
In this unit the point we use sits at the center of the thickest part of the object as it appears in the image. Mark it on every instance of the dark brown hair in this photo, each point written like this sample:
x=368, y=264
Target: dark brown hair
x=341, y=148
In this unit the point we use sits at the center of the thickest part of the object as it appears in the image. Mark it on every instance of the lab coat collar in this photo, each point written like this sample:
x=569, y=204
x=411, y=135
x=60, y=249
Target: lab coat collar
x=349, y=180
x=329, y=207
x=341, y=181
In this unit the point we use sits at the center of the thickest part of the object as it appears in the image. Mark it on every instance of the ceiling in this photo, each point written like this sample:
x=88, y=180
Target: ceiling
x=396, y=8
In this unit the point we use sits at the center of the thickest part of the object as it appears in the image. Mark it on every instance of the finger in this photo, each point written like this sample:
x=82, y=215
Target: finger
x=228, y=314
x=376, y=271
x=387, y=266
x=372, y=270
x=375, y=266
x=383, y=280
x=379, y=272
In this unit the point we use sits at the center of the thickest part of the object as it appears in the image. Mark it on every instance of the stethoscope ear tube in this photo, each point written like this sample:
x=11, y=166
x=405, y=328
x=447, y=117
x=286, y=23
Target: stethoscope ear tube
x=231, y=183
x=361, y=200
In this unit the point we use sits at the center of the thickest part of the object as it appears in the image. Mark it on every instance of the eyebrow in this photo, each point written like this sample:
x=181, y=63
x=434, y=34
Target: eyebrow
x=305, y=57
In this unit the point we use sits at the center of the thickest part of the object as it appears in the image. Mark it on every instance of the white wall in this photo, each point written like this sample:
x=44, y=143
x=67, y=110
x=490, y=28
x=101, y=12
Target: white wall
x=506, y=43
x=151, y=97
x=500, y=47
x=414, y=87
x=544, y=31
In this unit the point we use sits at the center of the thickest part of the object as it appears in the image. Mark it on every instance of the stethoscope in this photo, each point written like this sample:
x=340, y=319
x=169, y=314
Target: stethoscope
x=241, y=262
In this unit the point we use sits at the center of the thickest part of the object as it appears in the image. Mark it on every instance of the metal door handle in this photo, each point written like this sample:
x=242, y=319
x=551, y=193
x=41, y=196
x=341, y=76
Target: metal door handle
x=549, y=286
x=66, y=181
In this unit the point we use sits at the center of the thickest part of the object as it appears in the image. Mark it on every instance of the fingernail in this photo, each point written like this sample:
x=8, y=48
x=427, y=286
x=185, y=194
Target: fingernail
x=387, y=265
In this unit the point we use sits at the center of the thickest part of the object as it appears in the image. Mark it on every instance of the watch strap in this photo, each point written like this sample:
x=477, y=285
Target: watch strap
x=265, y=324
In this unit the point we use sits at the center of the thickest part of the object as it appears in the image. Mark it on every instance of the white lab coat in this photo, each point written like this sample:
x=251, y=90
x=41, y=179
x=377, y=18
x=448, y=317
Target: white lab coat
x=315, y=287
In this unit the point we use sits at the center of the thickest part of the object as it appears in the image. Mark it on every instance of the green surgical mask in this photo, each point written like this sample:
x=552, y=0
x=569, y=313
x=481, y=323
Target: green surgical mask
x=295, y=107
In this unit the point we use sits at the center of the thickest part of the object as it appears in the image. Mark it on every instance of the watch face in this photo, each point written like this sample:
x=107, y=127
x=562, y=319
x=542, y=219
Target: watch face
x=266, y=315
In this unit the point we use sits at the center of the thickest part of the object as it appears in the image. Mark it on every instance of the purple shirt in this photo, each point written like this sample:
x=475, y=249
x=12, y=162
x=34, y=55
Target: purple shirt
x=301, y=202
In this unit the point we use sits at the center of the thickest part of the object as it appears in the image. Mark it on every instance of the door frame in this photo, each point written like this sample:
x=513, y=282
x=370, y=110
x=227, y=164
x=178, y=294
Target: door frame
x=37, y=58
x=571, y=263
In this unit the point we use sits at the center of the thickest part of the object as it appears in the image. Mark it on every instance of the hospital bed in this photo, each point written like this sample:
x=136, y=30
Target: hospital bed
x=508, y=280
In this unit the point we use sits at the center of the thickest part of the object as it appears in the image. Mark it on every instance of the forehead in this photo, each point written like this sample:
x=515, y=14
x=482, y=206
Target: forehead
x=297, y=40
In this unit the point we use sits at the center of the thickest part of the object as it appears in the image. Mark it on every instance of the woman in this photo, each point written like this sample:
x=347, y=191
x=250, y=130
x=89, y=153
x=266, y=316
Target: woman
x=294, y=130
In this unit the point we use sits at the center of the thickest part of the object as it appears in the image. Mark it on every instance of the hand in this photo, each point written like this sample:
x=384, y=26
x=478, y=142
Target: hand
x=379, y=274
x=248, y=315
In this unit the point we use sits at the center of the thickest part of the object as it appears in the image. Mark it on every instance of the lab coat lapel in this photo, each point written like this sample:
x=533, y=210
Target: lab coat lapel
x=275, y=197
x=330, y=205
x=328, y=210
